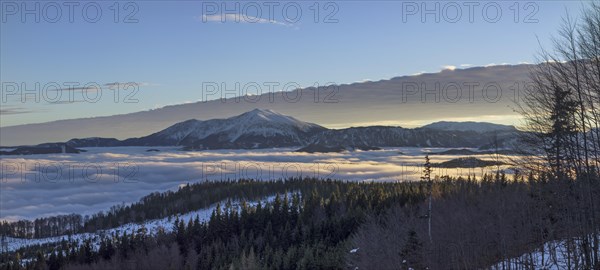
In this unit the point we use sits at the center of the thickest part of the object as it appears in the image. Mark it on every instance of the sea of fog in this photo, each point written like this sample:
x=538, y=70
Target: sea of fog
x=45, y=185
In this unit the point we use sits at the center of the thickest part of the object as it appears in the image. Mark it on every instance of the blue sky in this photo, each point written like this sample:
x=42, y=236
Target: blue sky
x=172, y=48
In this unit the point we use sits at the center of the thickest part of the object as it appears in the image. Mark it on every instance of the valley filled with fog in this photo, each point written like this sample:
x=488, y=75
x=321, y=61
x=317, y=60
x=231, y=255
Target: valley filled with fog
x=46, y=185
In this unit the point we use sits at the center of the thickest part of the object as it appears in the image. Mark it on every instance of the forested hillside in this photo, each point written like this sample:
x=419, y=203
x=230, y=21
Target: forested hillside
x=326, y=224
x=316, y=220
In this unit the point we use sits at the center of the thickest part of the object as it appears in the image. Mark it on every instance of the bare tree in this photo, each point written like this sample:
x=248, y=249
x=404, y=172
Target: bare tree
x=562, y=112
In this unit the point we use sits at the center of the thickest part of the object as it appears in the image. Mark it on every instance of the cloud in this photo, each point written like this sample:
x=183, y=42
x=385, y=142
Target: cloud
x=466, y=65
x=87, y=183
x=98, y=87
x=240, y=18
x=62, y=102
x=494, y=64
x=15, y=110
x=122, y=85
x=448, y=67
x=553, y=61
x=419, y=73
x=363, y=81
x=11, y=111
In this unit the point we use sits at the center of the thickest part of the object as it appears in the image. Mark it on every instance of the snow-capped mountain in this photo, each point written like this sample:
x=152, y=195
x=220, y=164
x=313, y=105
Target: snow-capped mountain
x=480, y=127
x=262, y=128
x=350, y=104
x=258, y=128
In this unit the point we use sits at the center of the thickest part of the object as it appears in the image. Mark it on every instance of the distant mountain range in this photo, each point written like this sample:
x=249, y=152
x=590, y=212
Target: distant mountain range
x=467, y=162
x=263, y=128
x=382, y=136
x=480, y=127
x=415, y=99
x=40, y=149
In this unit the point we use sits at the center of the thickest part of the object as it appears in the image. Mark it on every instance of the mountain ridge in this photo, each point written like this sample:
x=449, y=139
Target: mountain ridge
x=343, y=106
x=469, y=126
x=264, y=128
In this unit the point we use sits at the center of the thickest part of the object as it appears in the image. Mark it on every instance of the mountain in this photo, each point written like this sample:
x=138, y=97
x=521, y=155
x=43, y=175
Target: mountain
x=94, y=142
x=382, y=136
x=480, y=127
x=467, y=152
x=263, y=128
x=467, y=162
x=259, y=128
x=393, y=101
x=45, y=148
x=318, y=148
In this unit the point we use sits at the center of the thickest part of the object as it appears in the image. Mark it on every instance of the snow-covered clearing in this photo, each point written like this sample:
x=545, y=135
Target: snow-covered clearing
x=554, y=255
x=151, y=226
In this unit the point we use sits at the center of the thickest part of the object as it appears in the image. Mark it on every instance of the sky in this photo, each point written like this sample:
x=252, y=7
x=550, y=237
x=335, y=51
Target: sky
x=158, y=53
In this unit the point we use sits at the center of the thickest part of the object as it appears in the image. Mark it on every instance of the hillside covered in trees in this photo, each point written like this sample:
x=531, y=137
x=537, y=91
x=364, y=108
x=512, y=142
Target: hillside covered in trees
x=326, y=224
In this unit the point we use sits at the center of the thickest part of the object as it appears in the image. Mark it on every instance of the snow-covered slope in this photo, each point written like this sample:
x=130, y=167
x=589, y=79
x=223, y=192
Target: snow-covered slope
x=259, y=128
x=151, y=226
x=554, y=255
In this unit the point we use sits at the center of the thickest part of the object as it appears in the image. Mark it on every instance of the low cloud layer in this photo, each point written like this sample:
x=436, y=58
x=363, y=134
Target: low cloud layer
x=45, y=185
